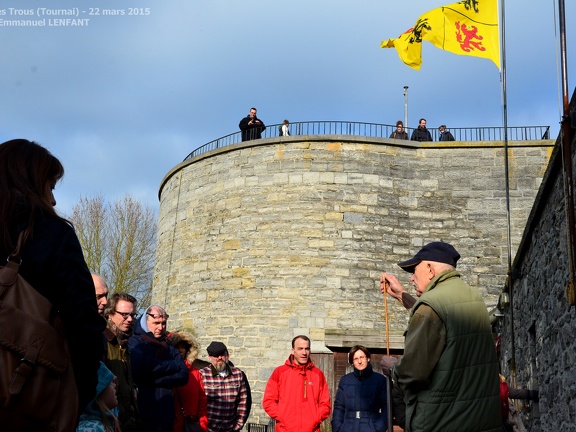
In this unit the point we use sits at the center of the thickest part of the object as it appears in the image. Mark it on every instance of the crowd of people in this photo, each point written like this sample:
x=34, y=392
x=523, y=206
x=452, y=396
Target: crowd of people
x=133, y=375
x=251, y=128
x=421, y=133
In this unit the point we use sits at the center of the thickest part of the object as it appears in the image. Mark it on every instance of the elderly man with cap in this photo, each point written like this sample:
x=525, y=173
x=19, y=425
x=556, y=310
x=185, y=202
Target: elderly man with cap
x=449, y=370
x=227, y=389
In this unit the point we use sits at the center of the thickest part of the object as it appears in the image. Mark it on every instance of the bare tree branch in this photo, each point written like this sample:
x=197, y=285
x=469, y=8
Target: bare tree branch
x=119, y=242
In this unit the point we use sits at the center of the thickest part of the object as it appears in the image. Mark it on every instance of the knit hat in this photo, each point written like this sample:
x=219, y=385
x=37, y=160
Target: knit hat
x=216, y=348
x=436, y=251
x=105, y=377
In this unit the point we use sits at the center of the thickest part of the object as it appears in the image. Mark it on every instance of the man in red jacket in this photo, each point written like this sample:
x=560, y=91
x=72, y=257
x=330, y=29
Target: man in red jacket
x=297, y=394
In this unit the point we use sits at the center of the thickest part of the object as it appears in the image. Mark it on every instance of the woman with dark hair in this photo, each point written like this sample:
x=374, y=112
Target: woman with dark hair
x=399, y=133
x=360, y=404
x=52, y=259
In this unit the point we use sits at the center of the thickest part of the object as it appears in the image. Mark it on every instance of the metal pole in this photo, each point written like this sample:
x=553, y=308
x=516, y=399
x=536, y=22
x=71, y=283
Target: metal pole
x=507, y=179
x=389, y=406
x=406, y=108
x=567, y=160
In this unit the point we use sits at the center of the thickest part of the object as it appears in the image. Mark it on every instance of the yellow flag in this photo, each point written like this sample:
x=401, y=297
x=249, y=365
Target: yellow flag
x=469, y=27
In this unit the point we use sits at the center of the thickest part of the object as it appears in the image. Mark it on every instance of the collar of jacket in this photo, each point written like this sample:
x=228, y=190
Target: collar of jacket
x=445, y=275
x=363, y=374
x=117, y=337
x=297, y=366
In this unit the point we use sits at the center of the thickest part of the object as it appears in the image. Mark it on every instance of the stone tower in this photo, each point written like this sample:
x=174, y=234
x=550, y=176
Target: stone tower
x=267, y=239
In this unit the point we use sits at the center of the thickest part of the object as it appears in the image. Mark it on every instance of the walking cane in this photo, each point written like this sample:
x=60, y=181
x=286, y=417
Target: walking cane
x=388, y=378
x=386, y=319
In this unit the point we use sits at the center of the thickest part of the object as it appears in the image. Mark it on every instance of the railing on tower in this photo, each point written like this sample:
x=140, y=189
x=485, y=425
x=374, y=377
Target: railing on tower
x=375, y=130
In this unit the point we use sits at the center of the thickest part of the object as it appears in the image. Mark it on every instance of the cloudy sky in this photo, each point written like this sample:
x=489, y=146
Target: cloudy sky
x=125, y=98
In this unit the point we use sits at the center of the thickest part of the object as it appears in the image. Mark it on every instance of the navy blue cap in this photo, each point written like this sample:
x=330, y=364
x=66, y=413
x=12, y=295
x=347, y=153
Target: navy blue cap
x=436, y=251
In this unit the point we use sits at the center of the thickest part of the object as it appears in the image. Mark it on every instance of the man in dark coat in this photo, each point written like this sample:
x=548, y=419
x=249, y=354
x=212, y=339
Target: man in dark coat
x=421, y=133
x=156, y=369
x=120, y=318
x=251, y=126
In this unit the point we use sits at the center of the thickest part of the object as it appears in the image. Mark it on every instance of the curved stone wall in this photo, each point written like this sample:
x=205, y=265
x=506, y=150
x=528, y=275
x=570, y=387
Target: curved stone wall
x=268, y=239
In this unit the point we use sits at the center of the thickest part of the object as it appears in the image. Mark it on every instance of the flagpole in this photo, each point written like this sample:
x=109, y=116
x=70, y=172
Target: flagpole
x=507, y=181
x=505, y=124
x=567, y=160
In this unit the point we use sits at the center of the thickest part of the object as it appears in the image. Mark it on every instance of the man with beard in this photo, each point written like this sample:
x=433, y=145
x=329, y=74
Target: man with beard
x=227, y=389
x=120, y=314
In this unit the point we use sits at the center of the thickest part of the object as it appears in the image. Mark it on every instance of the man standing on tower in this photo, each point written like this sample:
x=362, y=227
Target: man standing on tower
x=421, y=133
x=251, y=126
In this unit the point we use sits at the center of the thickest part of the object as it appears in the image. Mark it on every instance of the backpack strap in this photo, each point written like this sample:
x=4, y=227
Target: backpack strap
x=15, y=256
x=28, y=361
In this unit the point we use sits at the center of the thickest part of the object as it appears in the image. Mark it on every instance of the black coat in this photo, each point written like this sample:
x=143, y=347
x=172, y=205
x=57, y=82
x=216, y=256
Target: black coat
x=253, y=131
x=156, y=369
x=53, y=263
x=446, y=136
x=421, y=134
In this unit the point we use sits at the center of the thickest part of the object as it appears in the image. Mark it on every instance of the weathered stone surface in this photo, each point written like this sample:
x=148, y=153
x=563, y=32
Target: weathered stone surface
x=538, y=329
x=268, y=240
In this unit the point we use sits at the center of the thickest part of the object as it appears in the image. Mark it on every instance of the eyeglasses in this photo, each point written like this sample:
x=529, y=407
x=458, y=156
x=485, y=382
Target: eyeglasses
x=158, y=316
x=125, y=315
x=359, y=358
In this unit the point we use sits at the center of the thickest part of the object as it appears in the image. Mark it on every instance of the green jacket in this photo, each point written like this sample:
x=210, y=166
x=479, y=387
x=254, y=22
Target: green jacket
x=460, y=392
x=118, y=361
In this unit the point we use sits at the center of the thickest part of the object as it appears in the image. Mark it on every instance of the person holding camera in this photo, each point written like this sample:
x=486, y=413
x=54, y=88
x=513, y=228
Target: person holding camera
x=251, y=126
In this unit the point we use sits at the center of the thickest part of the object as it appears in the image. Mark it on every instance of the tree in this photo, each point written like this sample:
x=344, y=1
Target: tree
x=118, y=241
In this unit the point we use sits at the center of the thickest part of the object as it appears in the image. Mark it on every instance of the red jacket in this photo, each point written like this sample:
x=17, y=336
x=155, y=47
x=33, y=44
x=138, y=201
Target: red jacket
x=193, y=398
x=297, y=397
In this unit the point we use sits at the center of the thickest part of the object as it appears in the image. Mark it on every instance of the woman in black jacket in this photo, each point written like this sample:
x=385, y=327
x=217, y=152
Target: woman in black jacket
x=360, y=404
x=52, y=259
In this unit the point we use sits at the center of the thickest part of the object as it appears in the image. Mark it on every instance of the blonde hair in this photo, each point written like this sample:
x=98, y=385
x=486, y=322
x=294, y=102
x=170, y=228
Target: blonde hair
x=109, y=420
